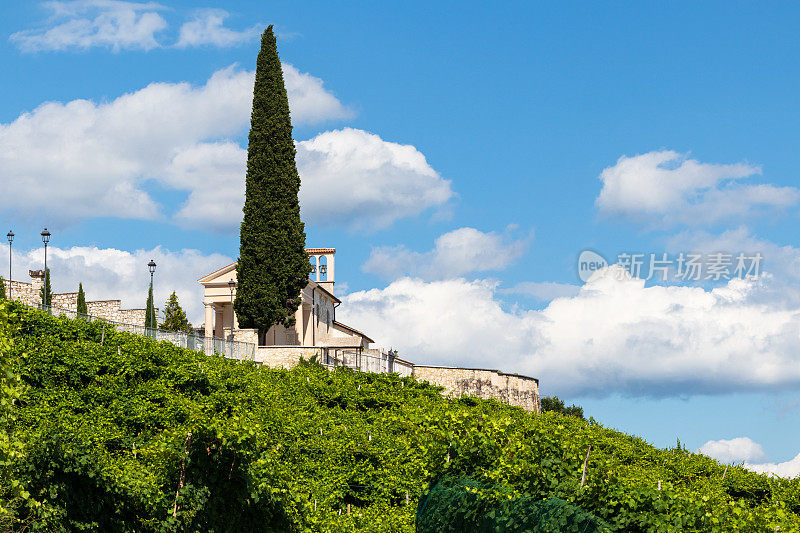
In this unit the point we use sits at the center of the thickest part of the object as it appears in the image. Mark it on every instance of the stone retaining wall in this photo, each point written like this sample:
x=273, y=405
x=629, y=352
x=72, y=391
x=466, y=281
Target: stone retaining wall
x=285, y=356
x=23, y=292
x=513, y=389
x=28, y=293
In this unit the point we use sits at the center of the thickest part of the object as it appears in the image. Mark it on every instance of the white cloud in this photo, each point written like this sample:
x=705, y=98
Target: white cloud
x=309, y=101
x=84, y=24
x=787, y=469
x=455, y=253
x=781, y=261
x=735, y=450
x=355, y=178
x=94, y=157
x=667, y=188
x=615, y=336
x=452, y=321
x=745, y=450
x=543, y=290
x=108, y=273
x=206, y=28
x=341, y=182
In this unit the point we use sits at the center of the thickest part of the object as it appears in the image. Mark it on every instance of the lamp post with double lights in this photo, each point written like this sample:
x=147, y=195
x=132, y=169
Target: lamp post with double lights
x=152, y=266
x=10, y=236
x=45, y=239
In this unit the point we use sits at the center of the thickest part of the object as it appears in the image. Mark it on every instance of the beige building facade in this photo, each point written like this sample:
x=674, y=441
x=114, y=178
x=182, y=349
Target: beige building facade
x=315, y=318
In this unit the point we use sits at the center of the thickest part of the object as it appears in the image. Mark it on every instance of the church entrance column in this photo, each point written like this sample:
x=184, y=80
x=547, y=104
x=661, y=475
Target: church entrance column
x=209, y=324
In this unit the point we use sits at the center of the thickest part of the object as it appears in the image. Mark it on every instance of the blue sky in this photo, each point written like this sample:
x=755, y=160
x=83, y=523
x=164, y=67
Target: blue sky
x=459, y=157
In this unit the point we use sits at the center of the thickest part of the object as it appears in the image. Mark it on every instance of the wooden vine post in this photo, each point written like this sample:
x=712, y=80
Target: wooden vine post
x=182, y=480
x=585, y=462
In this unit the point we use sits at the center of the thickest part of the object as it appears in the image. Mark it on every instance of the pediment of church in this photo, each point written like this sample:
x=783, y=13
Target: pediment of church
x=223, y=275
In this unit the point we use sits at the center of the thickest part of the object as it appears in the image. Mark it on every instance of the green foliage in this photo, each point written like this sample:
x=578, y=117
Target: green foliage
x=554, y=405
x=12, y=493
x=46, y=292
x=174, y=316
x=273, y=267
x=2, y=288
x=150, y=311
x=455, y=505
x=82, y=308
x=108, y=432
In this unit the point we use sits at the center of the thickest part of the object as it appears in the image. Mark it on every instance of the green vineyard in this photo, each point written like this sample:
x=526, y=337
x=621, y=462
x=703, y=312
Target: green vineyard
x=109, y=431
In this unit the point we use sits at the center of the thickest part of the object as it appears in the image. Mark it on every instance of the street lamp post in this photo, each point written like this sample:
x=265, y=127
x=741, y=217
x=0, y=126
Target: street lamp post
x=10, y=236
x=152, y=266
x=45, y=239
x=231, y=286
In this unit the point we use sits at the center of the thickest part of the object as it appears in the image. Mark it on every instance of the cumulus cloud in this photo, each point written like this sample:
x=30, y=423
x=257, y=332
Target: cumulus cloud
x=108, y=273
x=337, y=186
x=745, y=450
x=455, y=253
x=788, y=469
x=735, y=450
x=783, y=261
x=666, y=188
x=614, y=336
x=94, y=157
x=543, y=291
x=355, y=178
x=83, y=24
x=207, y=28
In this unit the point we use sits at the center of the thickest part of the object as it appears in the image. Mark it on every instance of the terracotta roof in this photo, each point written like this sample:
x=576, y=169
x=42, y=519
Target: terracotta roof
x=352, y=329
x=320, y=250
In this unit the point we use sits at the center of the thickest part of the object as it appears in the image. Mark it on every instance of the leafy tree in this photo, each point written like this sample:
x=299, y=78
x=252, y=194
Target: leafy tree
x=273, y=267
x=82, y=309
x=555, y=405
x=12, y=493
x=175, y=316
x=2, y=288
x=49, y=289
x=150, y=311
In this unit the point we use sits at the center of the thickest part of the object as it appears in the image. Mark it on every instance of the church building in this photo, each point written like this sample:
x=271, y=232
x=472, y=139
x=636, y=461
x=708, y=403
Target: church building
x=315, y=319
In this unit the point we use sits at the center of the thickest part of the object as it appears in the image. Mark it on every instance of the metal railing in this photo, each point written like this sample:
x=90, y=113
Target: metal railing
x=381, y=362
x=207, y=345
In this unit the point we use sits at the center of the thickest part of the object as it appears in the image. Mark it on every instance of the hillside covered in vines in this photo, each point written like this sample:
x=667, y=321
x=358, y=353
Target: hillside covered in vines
x=107, y=431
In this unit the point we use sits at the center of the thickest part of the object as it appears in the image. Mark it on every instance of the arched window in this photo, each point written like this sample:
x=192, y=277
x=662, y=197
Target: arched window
x=317, y=315
x=328, y=320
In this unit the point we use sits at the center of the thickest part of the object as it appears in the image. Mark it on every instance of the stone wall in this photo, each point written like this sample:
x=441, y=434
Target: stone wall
x=67, y=300
x=513, y=389
x=245, y=335
x=28, y=293
x=23, y=292
x=285, y=356
x=110, y=310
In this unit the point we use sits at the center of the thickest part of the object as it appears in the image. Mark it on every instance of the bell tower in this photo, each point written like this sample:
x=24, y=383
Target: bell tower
x=322, y=263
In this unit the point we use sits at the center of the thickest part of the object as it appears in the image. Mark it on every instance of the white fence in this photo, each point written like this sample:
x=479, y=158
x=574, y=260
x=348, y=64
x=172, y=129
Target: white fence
x=376, y=361
x=208, y=345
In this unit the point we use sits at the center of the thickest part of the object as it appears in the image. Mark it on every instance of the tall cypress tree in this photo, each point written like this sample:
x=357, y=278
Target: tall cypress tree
x=150, y=317
x=273, y=266
x=2, y=288
x=49, y=289
x=82, y=308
